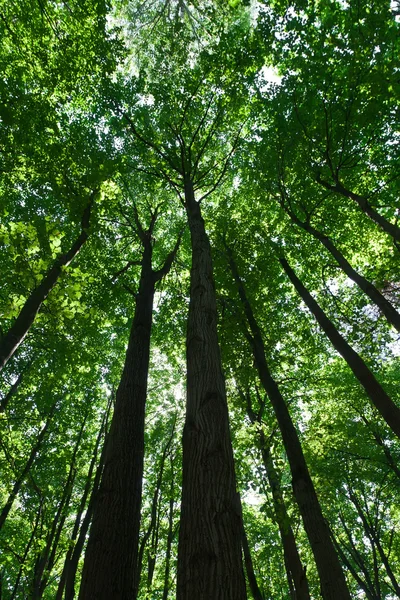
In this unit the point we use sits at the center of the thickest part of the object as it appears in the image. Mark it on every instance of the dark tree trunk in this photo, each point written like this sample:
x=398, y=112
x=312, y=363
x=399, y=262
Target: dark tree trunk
x=21, y=478
x=209, y=553
x=72, y=568
x=382, y=402
x=248, y=562
x=20, y=328
x=110, y=566
x=170, y=534
x=363, y=204
x=109, y=569
x=82, y=505
x=333, y=582
x=366, y=286
x=296, y=573
x=47, y=557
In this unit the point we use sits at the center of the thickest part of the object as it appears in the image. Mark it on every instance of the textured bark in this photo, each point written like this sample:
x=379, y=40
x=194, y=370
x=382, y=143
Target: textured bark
x=333, y=582
x=296, y=573
x=110, y=566
x=363, y=204
x=209, y=552
x=20, y=328
x=21, y=478
x=391, y=314
x=380, y=399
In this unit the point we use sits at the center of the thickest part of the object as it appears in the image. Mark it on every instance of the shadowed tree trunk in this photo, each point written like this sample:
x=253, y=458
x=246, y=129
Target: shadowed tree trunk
x=380, y=399
x=248, y=562
x=296, y=573
x=333, y=582
x=170, y=534
x=110, y=566
x=20, y=328
x=209, y=553
x=82, y=505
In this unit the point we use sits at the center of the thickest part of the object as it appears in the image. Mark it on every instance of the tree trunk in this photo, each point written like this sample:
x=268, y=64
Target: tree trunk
x=110, y=566
x=170, y=534
x=366, y=286
x=363, y=204
x=20, y=328
x=296, y=573
x=110, y=560
x=19, y=481
x=333, y=582
x=82, y=505
x=248, y=562
x=382, y=402
x=70, y=574
x=209, y=553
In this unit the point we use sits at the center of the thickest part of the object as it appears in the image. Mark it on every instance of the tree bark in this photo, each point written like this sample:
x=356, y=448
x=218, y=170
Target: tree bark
x=110, y=566
x=364, y=205
x=20, y=328
x=209, y=552
x=391, y=314
x=19, y=481
x=380, y=399
x=333, y=582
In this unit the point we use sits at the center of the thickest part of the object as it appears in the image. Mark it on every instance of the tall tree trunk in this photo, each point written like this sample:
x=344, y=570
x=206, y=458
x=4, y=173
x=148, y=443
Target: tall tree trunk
x=364, y=205
x=380, y=399
x=170, y=534
x=391, y=314
x=209, y=553
x=20, y=328
x=82, y=505
x=296, y=573
x=110, y=566
x=333, y=582
x=111, y=555
x=248, y=562
x=21, y=478
x=72, y=568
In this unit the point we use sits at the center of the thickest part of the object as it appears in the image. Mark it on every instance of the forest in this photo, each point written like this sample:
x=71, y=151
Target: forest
x=200, y=299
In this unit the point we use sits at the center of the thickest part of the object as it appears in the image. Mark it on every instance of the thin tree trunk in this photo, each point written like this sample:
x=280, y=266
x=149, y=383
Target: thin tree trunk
x=28, y=547
x=21, y=478
x=391, y=314
x=296, y=573
x=46, y=559
x=209, y=553
x=170, y=534
x=380, y=399
x=110, y=566
x=20, y=328
x=248, y=562
x=374, y=539
x=363, y=204
x=70, y=575
x=82, y=504
x=11, y=392
x=333, y=582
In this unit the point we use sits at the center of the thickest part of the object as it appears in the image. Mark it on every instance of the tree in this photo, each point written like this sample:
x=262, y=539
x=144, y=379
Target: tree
x=272, y=127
